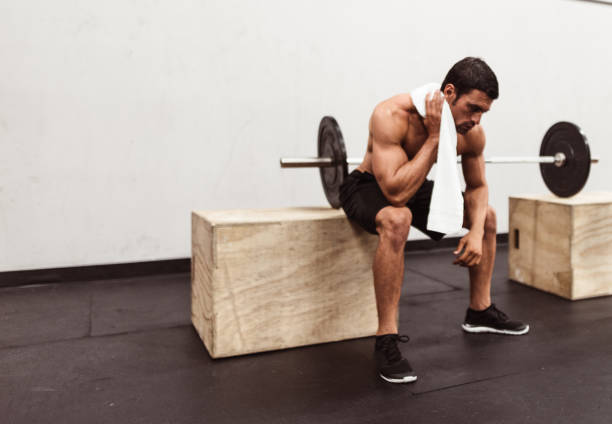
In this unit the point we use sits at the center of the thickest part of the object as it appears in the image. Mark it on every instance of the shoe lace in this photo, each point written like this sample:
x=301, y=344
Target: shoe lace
x=500, y=314
x=390, y=348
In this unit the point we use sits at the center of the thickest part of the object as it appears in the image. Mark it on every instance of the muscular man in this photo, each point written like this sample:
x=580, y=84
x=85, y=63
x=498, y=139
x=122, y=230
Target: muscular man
x=388, y=193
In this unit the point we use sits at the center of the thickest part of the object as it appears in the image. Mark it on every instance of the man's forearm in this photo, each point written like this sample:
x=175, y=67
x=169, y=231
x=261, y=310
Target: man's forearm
x=476, y=201
x=410, y=176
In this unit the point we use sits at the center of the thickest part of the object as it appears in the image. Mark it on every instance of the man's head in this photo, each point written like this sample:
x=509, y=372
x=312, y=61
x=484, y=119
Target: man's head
x=469, y=88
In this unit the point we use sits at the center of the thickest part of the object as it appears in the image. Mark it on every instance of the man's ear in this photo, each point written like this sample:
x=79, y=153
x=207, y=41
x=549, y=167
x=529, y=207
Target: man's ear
x=449, y=92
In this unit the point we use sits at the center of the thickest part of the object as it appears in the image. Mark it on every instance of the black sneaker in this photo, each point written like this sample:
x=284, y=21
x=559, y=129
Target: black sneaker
x=391, y=365
x=492, y=320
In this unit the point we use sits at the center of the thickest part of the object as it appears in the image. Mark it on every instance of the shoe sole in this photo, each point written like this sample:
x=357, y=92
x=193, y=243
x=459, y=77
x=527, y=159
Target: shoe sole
x=407, y=379
x=482, y=329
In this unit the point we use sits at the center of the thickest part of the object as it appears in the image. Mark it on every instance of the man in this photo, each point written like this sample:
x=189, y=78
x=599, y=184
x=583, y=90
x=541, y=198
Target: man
x=388, y=193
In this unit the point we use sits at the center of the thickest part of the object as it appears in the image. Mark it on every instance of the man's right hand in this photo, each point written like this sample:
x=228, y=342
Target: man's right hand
x=433, y=111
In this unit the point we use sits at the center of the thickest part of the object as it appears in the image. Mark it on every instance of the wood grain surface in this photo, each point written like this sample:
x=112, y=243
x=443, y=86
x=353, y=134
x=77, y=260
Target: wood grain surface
x=562, y=246
x=279, y=278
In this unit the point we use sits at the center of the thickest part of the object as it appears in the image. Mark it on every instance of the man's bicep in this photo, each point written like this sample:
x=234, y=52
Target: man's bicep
x=387, y=158
x=473, y=163
x=473, y=170
x=387, y=153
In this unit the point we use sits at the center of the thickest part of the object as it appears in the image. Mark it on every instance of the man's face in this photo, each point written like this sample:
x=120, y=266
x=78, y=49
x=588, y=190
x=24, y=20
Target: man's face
x=467, y=109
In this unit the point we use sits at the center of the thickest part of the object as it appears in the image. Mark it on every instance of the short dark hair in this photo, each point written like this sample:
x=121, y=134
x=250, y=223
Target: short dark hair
x=472, y=73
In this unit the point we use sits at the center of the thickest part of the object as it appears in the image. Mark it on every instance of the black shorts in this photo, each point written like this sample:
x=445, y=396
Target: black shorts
x=362, y=199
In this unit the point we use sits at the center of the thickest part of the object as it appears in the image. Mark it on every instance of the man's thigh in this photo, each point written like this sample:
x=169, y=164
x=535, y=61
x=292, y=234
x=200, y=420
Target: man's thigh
x=362, y=198
x=419, y=206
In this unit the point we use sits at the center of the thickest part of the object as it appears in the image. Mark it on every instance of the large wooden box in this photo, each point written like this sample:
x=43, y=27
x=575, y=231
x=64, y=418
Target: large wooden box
x=278, y=278
x=562, y=246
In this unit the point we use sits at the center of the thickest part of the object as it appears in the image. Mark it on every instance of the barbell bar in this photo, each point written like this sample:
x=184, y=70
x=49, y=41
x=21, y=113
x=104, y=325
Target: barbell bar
x=321, y=162
x=564, y=160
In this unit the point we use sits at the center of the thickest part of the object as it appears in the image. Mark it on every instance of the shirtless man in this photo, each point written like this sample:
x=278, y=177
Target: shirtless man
x=388, y=193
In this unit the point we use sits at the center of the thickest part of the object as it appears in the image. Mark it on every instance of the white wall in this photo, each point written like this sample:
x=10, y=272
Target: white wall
x=118, y=118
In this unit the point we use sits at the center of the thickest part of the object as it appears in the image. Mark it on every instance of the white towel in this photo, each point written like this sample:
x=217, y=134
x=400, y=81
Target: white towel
x=446, y=206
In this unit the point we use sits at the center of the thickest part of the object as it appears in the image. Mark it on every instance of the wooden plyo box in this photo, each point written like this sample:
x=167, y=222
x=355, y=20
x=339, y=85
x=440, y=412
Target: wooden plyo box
x=277, y=278
x=562, y=246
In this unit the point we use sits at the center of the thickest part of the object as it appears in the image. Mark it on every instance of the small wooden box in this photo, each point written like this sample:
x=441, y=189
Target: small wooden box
x=278, y=278
x=562, y=246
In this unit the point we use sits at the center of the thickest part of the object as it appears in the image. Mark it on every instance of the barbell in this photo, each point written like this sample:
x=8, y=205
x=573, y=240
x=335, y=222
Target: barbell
x=565, y=159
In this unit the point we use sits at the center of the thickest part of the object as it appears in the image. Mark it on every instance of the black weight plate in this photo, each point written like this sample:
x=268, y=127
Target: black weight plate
x=569, y=179
x=331, y=144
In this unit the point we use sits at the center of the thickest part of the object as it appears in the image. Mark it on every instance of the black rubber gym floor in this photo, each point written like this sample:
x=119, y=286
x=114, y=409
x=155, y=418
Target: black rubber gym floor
x=123, y=351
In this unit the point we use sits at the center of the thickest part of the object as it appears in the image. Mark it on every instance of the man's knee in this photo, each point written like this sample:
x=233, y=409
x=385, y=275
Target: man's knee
x=490, y=226
x=394, y=223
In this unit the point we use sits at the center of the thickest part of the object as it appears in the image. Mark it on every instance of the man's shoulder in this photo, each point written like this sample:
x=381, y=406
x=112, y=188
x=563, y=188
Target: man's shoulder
x=398, y=103
x=395, y=113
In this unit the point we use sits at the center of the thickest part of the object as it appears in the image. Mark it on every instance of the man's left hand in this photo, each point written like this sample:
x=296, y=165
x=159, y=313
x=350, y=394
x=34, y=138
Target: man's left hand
x=471, y=244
